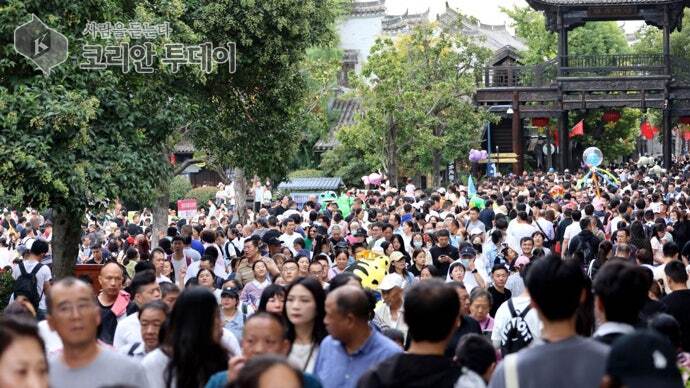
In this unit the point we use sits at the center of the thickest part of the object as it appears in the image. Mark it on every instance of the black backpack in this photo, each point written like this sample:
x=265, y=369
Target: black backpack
x=27, y=284
x=516, y=334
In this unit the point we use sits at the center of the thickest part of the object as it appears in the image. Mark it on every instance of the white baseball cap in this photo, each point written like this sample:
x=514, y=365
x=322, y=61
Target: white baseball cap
x=391, y=281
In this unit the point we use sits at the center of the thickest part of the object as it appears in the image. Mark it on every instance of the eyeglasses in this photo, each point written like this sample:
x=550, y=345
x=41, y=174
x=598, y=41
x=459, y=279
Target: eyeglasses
x=64, y=310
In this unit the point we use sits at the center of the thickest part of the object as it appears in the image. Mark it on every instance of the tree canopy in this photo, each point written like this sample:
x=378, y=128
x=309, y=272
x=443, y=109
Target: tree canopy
x=416, y=93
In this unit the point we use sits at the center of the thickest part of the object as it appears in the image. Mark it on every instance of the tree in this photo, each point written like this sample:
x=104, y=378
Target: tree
x=252, y=117
x=417, y=96
x=77, y=139
x=594, y=38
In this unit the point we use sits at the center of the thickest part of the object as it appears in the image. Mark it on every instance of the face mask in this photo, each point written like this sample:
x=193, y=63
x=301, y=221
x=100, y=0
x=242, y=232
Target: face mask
x=417, y=244
x=465, y=262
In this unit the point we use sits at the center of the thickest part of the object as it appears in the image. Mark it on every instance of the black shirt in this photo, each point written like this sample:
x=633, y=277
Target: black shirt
x=497, y=299
x=412, y=370
x=449, y=251
x=106, y=330
x=677, y=304
x=467, y=325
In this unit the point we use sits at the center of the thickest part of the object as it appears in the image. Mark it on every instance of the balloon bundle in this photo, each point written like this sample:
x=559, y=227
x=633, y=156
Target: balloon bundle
x=557, y=191
x=476, y=155
x=373, y=179
x=592, y=158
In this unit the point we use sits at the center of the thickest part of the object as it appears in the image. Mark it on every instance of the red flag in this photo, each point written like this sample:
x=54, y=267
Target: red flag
x=646, y=130
x=578, y=130
x=555, y=137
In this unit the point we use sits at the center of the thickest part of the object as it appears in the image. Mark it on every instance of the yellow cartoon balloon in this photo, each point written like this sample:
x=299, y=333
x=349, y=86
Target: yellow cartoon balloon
x=371, y=267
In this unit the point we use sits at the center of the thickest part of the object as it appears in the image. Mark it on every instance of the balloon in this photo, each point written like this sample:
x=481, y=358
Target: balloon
x=475, y=156
x=477, y=202
x=365, y=179
x=484, y=154
x=592, y=157
x=375, y=179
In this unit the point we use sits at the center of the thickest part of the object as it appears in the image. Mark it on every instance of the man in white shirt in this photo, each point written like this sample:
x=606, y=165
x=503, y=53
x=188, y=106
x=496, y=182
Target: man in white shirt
x=516, y=231
x=145, y=289
x=572, y=230
x=32, y=265
x=289, y=237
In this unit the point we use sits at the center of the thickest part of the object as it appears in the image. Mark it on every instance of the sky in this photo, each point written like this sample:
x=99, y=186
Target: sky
x=487, y=11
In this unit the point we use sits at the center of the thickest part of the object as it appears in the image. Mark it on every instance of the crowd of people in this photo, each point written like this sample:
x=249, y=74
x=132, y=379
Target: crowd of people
x=536, y=280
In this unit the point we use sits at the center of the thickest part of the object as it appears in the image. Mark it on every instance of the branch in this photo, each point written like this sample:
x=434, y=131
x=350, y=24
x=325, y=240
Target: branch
x=183, y=166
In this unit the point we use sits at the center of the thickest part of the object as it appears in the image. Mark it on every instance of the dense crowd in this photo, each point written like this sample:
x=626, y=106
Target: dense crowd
x=539, y=280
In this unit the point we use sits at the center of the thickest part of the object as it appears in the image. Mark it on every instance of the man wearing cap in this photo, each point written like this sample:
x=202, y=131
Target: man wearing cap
x=389, y=314
x=475, y=273
x=642, y=359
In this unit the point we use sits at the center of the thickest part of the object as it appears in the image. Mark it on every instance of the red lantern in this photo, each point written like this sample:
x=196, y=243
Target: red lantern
x=684, y=120
x=646, y=130
x=611, y=116
x=686, y=135
x=540, y=122
x=173, y=159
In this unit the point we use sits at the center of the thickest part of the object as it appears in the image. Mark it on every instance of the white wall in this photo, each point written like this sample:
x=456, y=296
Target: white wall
x=360, y=33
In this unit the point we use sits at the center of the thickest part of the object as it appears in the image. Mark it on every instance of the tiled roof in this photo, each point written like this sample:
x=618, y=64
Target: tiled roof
x=404, y=22
x=311, y=184
x=347, y=109
x=184, y=147
x=493, y=37
x=366, y=8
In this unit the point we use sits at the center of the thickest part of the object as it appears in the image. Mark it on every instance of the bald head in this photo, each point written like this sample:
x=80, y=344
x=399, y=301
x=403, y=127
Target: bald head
x=351, y=300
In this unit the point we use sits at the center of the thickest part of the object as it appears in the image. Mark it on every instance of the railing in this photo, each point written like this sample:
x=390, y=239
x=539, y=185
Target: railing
x=617, y=65
x=612, y=66
x=511, y=76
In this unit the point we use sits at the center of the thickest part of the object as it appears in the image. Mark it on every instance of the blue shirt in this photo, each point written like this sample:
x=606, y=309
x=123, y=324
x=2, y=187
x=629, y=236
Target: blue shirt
x=338, y=369
x=220, y=380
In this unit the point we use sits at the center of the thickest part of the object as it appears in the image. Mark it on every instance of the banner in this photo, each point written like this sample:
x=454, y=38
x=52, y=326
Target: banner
x=186, y=208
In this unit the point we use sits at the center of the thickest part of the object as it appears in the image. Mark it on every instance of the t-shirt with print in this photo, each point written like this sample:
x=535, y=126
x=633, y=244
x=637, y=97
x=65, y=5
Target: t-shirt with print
x=503, y=317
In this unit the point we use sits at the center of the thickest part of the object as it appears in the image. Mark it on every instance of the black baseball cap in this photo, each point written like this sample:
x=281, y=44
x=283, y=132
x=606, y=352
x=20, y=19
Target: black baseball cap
x=644, y=359
x=468, y=251
x=231, y=292
x=361, y=232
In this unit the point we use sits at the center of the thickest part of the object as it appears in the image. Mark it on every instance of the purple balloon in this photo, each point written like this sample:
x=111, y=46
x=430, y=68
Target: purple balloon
x=475, y=155
x=484, y=154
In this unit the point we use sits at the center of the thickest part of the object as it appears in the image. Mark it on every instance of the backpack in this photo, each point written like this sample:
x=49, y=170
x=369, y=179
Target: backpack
x=27, y=284
x=516, y=334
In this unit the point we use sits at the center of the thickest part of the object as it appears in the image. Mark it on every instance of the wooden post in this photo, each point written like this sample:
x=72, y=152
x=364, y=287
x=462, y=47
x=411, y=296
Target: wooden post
x=668, y=151
x=517, y=135
x=564, y=141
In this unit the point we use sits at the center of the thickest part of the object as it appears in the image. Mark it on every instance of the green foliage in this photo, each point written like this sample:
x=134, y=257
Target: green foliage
x=651, y=42
x=6, y=287
x=595, y=38
x=417, y=96
x=306, y=173
x=615, y=140
x=79, y=138
x=346, y=162
x=320, y=68
x=253, y=118
x=179, y=187
x=202, y=195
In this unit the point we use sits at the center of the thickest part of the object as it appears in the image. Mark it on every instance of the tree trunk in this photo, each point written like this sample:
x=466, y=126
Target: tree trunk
x=159, y=224
x=241, y=195
x=392, y=148
x=65, y=241
x=436, y=168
